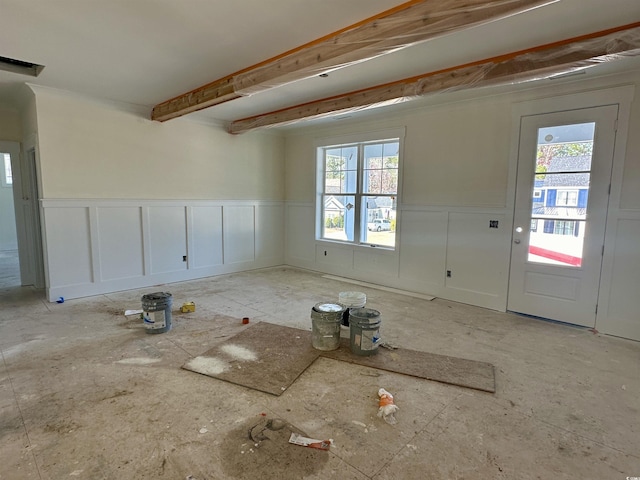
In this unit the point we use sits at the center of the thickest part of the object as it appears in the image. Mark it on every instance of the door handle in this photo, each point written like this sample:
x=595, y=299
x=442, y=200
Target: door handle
x=517, y=240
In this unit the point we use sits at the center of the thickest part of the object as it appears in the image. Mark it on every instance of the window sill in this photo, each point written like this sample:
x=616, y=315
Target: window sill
x=357, y=246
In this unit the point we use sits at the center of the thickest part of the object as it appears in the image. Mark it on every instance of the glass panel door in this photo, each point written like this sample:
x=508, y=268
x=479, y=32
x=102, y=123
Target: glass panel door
x=560, y=194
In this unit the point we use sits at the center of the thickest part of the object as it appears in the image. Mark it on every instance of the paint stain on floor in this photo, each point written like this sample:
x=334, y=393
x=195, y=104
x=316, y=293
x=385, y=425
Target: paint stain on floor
x=260, y=448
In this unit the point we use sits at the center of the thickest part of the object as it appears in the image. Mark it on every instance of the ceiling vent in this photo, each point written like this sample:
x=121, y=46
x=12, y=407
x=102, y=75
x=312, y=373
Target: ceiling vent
x=18, y=66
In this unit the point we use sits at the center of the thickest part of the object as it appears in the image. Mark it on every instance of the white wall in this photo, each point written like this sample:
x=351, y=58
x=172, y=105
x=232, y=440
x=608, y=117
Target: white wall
x=125, y=198
x=93, y=150
x=457, y=175
x=10, y=128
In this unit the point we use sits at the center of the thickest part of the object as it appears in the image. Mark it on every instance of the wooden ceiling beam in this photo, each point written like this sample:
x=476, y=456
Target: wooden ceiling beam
x=525, y=65
x=410, y=23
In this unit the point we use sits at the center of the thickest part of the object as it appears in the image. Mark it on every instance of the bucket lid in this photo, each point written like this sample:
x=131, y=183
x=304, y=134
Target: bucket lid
x=328, y=307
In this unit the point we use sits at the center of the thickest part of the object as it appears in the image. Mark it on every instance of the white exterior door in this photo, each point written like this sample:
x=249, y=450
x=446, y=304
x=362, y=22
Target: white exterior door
x=562, y=192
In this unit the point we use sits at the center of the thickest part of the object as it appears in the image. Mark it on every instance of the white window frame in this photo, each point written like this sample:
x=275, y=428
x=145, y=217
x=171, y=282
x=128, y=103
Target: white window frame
x=359, y=139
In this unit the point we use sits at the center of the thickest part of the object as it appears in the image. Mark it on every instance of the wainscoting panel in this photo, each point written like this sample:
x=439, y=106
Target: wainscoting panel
x=423, y=249
x=167, y=239
x=120, y=246
x=69, y=246
x=301, y=244
x=619, y=303
x=96, y=246
x=206, y=235
x=477, y=257
x=239, y=242
x=270, y=222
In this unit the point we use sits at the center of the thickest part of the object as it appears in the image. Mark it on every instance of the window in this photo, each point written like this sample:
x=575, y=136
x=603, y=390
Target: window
x=358, y=188
x=566, y=227
x=567, y=198
x=7, y=176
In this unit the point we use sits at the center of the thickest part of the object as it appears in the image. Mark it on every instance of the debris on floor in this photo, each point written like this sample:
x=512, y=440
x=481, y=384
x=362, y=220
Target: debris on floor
x=257, y=432
x=259, y=447
x=387, y=407
x=310, y=442
x=188, y=307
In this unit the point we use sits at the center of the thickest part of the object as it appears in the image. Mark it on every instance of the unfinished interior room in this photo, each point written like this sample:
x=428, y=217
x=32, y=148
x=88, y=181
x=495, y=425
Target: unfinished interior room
x=320, y=239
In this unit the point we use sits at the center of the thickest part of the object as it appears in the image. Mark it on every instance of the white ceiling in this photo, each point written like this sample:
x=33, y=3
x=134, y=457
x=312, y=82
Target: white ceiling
x=143, y=52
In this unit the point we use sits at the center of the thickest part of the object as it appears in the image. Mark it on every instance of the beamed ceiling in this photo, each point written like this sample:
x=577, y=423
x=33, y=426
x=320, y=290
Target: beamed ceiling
x=249, y=64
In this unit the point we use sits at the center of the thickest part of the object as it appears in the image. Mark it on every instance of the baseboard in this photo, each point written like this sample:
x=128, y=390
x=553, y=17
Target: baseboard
x=380, y=287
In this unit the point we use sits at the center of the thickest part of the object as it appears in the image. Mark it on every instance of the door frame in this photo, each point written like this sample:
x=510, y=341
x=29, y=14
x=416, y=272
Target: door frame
x=621, y=96
x=30, y=233
x=561, y=292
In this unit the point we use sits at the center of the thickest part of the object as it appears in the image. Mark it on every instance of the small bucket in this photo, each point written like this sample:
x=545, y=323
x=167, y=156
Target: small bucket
x=364, y=331
x=325, y=325
x=156, y=312
x=351, y=300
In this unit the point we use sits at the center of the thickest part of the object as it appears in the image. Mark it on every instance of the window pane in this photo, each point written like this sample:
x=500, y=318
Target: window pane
x=561, y=196
x=373, y=156
x=390, y=181
x=557, y=242
x=381, y=168
x=8, y=176
x=333, y=181
x=565, y=148
x=350, y=181
x=340, y=165
x=379, y=220
x=338, y=217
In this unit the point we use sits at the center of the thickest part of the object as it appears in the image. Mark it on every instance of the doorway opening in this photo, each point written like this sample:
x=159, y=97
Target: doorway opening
x=9, y=261
x=21, y=252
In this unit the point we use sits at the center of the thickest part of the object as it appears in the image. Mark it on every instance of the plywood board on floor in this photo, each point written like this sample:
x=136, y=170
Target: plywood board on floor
x=269, y=358
x=264, y=357
x=430, y=366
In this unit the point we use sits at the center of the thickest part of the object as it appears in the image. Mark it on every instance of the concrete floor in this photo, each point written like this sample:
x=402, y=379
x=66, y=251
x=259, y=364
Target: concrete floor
x=86, y=393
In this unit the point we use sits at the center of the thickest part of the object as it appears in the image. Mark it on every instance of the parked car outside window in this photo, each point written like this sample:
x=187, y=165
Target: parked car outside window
x=379, y=224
